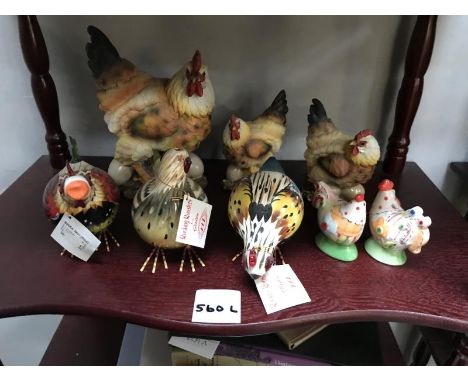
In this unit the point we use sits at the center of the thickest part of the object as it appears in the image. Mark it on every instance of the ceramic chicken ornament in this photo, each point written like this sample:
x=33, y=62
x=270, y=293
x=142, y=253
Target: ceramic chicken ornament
x=157, y=206
x=148, y=114
x=341, y=161
x=340, y=221
x=394, y=229
x=87, y=193
x=249, y=144
x=265, y=209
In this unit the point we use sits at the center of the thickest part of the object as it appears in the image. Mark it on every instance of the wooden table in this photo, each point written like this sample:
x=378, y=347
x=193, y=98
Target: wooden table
x=431, y=289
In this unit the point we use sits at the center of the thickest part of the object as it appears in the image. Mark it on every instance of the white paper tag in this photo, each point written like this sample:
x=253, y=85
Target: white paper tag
x=201, y=346
x=75, y=237
x=280, y=288
x=217, y=306
x=193, y=222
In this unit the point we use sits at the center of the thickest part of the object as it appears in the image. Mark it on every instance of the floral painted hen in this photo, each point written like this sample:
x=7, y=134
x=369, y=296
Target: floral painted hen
x=149, y=114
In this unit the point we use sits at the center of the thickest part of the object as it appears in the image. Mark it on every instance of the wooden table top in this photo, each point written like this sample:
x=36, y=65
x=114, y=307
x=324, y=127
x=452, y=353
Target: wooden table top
x=430, y=289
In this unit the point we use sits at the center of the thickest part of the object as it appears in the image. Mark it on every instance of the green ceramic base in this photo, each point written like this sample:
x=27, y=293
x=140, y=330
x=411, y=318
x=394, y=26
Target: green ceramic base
x=335, y=250
x=383, y=255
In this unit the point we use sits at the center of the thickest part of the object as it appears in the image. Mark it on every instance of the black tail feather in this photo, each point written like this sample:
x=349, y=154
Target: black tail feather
x=317, y=112
x=279, y=106
x=101, y=53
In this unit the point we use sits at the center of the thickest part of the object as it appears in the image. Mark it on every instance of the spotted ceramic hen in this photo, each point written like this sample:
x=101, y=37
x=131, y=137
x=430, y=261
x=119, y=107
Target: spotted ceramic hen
x=157, y=206
x=87, y=193
x=265, y=209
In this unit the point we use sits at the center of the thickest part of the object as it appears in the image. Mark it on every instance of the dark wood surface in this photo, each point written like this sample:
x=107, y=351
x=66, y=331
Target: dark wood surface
x=431, y=289
x=85, y=341
x=37, y=60
x=418, y=57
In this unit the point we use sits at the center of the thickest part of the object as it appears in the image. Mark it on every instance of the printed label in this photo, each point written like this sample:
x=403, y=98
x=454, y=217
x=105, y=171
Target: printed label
x=201, y=346
x=193, y=222
x=75, y=237
x=280, y=288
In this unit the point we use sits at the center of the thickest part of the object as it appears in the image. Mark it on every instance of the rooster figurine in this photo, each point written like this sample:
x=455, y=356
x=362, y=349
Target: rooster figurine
x=157, y=206
x=340, y=221
x=149, y=115
x=248, y=145
x=87, y=193
x=343, y=162
x=265, y=209
x=394, y=229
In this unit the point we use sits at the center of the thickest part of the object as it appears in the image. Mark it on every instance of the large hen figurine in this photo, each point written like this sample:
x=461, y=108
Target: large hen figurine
x=341, y=161
x=248, y=145
x=265, y=209
x=157, y=206
x=148, y=114
x=394, y=229
x=341, y=222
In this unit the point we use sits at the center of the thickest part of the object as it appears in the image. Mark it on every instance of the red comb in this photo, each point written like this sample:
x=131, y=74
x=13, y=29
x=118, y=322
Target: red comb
x=386, y=185
x=363, y=134
x=233, y=121
x=359, y=198
x=196, y=62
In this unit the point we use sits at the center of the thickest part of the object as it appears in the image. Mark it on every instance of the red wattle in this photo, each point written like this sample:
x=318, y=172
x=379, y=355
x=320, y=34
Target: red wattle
x=198, y=89
x=190, y=88
x=252, y=258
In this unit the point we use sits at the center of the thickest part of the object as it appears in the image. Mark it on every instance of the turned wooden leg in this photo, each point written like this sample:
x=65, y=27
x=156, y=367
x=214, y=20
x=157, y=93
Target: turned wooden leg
x=43, y=87
x=418, y=57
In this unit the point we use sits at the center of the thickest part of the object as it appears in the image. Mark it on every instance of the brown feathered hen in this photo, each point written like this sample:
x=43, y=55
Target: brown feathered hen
x=248, y=145
x=341, y=161
x=146, y=113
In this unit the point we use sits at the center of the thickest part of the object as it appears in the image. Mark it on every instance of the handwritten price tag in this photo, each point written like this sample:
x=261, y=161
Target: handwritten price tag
x=75, y=237
x=280, y=288
x=193, y=222
x=201, y=346
x=217, y=306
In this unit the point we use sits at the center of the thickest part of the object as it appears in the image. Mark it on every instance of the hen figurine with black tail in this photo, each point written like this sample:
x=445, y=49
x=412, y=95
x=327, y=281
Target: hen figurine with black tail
x=341, y=161
x=248, y=145
x=157, y=207
x=265, y=208
x=87, y=193
x=149, y=115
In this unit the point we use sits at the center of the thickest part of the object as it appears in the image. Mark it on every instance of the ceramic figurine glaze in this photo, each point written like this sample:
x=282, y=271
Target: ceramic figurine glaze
x=157, y=206
x=394, y=229
x=265, y=209
x=341, y=161
x=340, y=221
x=148, y=114
x=249, y=144
x=87, y=193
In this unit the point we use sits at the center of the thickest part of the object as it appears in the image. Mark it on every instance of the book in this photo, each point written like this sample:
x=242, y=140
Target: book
x=238, y=351
x=358, y=343
x=294, y=337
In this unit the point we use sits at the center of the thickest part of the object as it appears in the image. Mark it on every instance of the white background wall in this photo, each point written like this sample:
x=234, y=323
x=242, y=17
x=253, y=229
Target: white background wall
x=353, y=64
